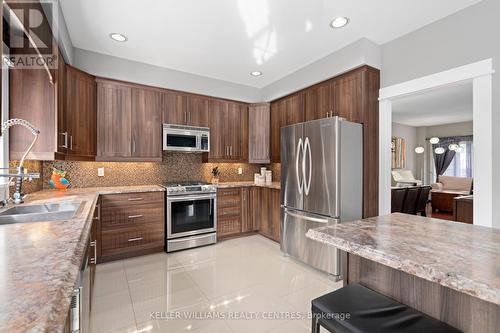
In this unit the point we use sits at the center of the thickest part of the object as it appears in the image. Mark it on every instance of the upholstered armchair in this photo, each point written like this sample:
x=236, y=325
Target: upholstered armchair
x=402, y=177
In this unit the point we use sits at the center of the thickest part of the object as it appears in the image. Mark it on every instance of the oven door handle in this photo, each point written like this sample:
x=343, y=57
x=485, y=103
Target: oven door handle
x=190, y=198
x=183, y=239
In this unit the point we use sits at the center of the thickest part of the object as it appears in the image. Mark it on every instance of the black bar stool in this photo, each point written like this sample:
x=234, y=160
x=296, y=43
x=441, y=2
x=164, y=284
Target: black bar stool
x=357, y=309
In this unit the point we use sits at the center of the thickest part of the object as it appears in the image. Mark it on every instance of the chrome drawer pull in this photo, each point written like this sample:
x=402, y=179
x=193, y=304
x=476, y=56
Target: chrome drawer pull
x=135, y=239
x=135, y=216
x=135, y=199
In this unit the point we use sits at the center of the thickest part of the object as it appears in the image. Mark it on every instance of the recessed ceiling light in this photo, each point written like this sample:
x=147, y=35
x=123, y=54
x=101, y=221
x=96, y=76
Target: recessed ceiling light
x=339, y=22
x=118, y=37
x=256, y=73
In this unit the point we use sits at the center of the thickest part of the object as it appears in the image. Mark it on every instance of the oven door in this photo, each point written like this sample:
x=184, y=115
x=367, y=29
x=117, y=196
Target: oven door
x=191, y=215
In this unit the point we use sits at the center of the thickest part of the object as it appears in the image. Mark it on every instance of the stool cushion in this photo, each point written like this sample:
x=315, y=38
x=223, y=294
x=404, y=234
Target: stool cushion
x=371, y=312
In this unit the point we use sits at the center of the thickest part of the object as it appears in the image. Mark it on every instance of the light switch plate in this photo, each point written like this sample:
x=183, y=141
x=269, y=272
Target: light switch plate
x=100, y=172
x=240, y=171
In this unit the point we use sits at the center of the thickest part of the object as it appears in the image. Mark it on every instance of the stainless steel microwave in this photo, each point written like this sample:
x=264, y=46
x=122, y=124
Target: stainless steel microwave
x=186, y=138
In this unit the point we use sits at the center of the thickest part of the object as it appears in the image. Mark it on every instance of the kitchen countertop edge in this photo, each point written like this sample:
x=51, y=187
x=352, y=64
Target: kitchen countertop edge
x=456, y=282
x=53, y=317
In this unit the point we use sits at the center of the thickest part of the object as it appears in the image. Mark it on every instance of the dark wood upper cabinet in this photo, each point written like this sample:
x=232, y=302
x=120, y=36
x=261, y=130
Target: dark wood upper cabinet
x=285, y=112
x=236, y=134
x=216, y=121
x=353, y=96
x=197, y=111
x=348, y=97
x=114, y=121
x=80, y=113
x=146, y=123
x=174, y=108
x=228, y=122
x=277, y=121
x=187, y=110
x=259, y=126
x=129, y=122
x=325, y=100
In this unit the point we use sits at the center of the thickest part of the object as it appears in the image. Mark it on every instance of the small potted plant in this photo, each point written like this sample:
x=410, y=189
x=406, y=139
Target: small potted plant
x=215, y=175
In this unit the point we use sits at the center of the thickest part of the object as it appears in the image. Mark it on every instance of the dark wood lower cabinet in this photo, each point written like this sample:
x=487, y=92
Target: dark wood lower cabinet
x=229, y=212
x=267, y=212
x=248, y=209
x=131, y=224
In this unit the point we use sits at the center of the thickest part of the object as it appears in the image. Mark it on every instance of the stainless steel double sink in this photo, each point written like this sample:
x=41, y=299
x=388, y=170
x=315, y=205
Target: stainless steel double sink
x=41, y=212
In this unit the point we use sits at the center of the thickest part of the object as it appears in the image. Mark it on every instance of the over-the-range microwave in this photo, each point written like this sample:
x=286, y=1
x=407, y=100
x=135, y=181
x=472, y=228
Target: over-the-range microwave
x=186, y=138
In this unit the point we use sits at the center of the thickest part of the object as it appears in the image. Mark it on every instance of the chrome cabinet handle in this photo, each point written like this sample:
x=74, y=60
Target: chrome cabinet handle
x=135, y=216
x=94, y=259
x=189, y=117
x=307, y=149
x=135, y=239
x=300, y=146
x=135, y=199
x=65, y=144
x=98, y=208
x=185, y=117
x=71, y=142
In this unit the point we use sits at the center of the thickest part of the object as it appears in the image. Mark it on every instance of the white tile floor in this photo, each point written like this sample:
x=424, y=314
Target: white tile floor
x=243, y=276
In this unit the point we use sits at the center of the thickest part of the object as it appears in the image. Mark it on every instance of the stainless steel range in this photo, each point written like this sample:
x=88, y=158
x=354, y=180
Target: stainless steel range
x=191, y=216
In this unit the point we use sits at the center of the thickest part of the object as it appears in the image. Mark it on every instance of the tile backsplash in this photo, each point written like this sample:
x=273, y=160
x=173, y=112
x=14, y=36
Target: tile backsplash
x=174, y=167
x=30, y=166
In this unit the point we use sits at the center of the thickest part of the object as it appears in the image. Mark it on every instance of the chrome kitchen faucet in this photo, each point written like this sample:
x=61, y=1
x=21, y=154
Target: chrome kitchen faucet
x=18, y=196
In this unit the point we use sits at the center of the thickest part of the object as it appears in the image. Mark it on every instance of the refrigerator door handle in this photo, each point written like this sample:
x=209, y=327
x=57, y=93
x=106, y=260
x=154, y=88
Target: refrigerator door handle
x=305, y=217
x=307, y=149
x=300, y=146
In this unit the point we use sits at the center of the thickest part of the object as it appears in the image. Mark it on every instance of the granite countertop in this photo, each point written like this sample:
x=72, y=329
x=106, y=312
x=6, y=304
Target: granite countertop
x=274, y=185
x=462, y=257
x=40, y=261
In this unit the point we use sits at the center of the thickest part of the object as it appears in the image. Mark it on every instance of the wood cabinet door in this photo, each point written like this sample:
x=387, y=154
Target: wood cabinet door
x=325, y=100
x=234, y=130
x=80, y=110
x=217, y=120
x=259, y=130
x=246, y=218
x=277, y=121
x=146, y=124
x=275, y=214
x=255, y=204
x=311, y=104
x=61, y=105
x=294, y=109
x=197, y=111
x=265, y=223
x=174, y=109
x=113, y=120
x=348, y=98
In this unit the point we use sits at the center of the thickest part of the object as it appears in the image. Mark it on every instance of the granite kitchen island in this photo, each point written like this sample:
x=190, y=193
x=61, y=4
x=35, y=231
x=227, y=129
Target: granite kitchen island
x=451, y=271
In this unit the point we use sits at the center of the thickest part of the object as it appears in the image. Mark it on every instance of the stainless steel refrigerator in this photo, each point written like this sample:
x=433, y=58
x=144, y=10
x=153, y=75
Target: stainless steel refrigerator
x=321, y=184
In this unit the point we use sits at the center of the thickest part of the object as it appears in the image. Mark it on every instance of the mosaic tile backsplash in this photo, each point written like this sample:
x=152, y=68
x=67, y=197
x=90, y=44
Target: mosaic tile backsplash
x=30, y=166
x=174, y=167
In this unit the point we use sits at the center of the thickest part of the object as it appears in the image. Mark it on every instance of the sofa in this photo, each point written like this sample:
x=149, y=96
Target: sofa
x=446, y=189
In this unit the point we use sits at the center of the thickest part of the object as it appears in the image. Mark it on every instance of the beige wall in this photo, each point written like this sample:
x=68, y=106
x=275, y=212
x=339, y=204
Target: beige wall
x=409, y=133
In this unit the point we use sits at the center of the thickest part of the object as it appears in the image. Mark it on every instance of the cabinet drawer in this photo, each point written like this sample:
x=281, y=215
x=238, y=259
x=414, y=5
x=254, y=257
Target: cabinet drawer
x=228, y=192
x=131, y=239
x=230, y=201
x=228, y=211
x=125, y=216
x=226, y=227
x=128, y=199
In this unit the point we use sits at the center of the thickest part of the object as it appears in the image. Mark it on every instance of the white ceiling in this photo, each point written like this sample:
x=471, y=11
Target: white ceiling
x=438, y=107
x=227, y=39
